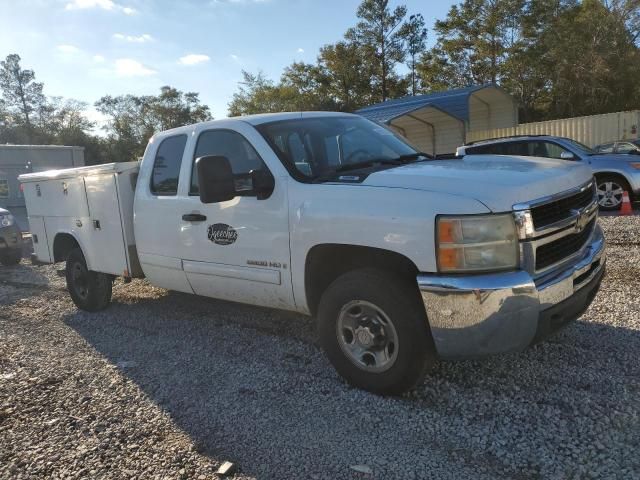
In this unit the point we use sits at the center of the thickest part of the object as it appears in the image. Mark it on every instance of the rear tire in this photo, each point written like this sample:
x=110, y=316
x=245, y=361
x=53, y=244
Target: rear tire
x=374, y=330
x=11, y=259
x=90, y=291
x=610, y=188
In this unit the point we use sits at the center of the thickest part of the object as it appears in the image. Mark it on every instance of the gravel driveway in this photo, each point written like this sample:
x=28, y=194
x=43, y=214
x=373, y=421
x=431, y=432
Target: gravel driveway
x=166, y=385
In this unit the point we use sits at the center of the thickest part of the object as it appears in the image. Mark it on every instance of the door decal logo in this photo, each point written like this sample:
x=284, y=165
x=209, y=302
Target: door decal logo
x=222, y=234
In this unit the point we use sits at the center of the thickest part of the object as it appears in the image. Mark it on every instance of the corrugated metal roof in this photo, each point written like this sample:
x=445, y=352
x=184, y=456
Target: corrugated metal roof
x=453, y=102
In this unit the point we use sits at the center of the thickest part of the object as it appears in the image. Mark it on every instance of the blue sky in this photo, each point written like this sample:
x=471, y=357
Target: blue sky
x=84, y=49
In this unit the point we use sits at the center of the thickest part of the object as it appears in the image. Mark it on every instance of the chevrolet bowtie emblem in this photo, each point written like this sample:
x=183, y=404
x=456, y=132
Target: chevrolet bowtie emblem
x=582, y=220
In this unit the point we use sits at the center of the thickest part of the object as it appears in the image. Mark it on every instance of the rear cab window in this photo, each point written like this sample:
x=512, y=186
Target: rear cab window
x=166, y=166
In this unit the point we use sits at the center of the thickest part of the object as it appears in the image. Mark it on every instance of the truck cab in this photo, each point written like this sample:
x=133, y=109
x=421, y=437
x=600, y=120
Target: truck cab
x=402, y=259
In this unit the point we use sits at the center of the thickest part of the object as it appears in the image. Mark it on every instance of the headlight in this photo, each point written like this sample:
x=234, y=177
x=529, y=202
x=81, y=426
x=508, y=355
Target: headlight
x=6, y=220
x=476, y=243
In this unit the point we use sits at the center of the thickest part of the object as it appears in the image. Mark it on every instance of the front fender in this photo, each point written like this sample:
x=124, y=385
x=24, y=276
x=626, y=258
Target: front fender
x=394, y=219
x=622, y=168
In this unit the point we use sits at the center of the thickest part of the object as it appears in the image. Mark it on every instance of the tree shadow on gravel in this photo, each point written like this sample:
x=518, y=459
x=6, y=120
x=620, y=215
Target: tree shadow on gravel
x=251, y=385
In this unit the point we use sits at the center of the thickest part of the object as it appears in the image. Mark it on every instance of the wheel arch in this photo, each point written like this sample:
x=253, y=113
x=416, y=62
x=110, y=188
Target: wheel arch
x=609, y=173
x=63, y=243
x=326, y=262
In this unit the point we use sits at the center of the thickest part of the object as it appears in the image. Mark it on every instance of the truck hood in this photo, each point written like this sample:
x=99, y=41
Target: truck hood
x=499, y=182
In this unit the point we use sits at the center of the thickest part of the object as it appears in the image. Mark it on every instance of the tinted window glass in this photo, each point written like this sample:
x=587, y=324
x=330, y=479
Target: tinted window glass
x=626, y=148
x=546, y=149
x=166, y=166
x=485, y=150
x=515, y=148
x=226, y=143
x=607, y=148
x=554, y=150
x=501, y=148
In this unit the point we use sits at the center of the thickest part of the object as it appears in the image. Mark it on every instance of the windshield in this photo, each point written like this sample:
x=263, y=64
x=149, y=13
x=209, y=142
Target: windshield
x=317, y=147
x=581, y=147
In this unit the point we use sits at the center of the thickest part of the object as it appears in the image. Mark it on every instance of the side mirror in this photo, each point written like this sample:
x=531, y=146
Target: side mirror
x=263, y=184
x=215, y=179
x=567, y=156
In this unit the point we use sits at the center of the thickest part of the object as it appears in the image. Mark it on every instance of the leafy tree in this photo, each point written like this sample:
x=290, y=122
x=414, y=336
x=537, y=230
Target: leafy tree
x=22, y=95
x=472, y=41
x=415, y=36
x=594, y=62
x=348, y=75
x=306, y=87
x=378, y=31
x=256, y=94
x=134, y=119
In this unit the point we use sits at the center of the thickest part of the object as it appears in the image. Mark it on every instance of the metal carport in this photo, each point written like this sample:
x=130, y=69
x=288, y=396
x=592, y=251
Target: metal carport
x=440, y=122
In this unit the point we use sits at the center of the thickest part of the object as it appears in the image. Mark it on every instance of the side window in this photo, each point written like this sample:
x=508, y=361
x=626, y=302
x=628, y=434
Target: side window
x=166, y=166
x=226, y=143
x=554, y=150
x=515, y=148
x=483, y=150
x=625, y=148
x=546, y=149
x=607, y=148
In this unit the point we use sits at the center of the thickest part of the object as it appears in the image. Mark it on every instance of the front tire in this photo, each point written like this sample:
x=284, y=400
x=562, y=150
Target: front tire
x=374, y=330
x=90, y=291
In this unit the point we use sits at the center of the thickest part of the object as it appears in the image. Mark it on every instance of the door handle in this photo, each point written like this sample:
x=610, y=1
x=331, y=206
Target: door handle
x=194, y=217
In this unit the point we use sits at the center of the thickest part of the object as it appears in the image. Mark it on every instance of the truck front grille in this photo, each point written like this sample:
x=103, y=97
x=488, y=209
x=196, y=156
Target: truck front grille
x=556, y=251
x=549, y=213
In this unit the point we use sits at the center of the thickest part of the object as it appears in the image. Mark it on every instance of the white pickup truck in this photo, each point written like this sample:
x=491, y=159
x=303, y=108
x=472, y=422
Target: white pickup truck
x=403, y=259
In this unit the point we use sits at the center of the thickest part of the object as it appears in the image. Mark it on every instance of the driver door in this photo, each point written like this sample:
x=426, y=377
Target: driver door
x=239, y=248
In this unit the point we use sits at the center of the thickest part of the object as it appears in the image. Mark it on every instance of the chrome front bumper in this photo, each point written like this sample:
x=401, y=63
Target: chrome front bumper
x=477, y=315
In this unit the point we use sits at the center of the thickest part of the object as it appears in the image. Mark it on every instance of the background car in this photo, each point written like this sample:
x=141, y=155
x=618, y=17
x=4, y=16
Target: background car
x=10, y=239
x=631, y=147
x=614, y=173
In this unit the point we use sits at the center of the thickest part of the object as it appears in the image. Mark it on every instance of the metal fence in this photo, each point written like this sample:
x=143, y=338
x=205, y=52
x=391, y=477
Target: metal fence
x=591, y=130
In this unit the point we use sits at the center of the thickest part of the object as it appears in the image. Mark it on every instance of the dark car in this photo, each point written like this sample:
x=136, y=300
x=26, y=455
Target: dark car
x=10, y=239
x=630, y=147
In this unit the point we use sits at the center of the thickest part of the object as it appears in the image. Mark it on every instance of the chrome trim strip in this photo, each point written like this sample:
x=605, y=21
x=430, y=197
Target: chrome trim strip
x=553, y=198
x=589, y=210
x=528, y=249
x=527, y=230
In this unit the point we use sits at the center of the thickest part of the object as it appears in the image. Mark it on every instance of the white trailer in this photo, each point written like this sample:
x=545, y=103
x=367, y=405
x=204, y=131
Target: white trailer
x=90, y=205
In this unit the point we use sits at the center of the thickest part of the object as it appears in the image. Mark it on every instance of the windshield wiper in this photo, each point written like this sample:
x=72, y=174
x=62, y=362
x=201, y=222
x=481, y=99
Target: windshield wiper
x=414, y=156
x=323, y=177
x=400, y=160
x=367, y=163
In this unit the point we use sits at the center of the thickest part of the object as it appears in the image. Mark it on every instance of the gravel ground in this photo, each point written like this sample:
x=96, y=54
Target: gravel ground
x=165, y=385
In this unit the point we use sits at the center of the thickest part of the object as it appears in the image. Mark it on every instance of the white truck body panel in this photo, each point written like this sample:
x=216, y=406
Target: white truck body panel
x=92, y=204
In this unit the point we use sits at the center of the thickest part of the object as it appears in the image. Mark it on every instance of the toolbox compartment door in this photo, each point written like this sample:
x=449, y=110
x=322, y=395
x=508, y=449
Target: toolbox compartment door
x=104, y=233
x=39, y=239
